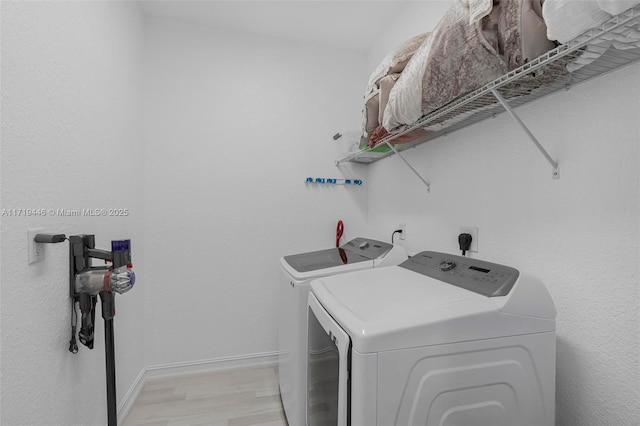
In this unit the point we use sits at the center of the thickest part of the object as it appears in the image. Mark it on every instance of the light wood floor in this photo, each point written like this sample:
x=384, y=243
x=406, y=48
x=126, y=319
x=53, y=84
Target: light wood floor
x=246, y=396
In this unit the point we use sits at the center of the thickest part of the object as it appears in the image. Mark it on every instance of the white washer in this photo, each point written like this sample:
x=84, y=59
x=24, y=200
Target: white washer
x=297, y=271
x=438, y=340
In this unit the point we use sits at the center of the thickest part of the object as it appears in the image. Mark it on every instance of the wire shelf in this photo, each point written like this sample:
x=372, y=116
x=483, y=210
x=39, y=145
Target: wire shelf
x=540, y=77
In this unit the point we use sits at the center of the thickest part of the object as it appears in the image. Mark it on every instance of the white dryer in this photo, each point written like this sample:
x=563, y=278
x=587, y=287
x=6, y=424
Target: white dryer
x=297, y=271
x=438, y=340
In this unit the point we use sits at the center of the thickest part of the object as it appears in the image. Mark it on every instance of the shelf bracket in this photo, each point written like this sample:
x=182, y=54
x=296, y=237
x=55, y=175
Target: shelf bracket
x=426, y=182
x=505, y=105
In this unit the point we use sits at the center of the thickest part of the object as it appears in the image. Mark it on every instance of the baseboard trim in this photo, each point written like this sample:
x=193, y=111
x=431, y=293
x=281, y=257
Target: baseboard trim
x=190, y=367
x=204, y=365
x=130, y=397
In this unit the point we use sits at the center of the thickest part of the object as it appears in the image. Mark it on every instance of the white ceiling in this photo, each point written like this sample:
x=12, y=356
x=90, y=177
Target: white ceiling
x=350, y=24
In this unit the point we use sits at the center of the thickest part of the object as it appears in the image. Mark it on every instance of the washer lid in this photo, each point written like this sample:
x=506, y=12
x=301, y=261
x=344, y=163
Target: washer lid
x=330, y=261
x=394, y=308
x=323, y=259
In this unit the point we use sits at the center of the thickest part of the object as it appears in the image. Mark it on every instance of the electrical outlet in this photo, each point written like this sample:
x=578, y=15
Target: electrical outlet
x=36, y=250
x=473, y=231
x=403, y=234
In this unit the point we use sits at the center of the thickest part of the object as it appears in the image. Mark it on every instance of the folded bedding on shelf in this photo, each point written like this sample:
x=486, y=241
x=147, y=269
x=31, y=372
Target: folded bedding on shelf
x=616, y=7
x=568, y=19
x=396, y=60
x=461, y=55
x=382, y=80
x=479, y=41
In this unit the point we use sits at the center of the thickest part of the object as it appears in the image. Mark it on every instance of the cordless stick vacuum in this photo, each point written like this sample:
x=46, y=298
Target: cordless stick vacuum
x=86, y=283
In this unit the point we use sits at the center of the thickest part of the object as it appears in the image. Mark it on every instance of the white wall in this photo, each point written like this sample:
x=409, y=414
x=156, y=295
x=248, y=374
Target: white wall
x=71, y=139
x=579, y=234
x=234, y=124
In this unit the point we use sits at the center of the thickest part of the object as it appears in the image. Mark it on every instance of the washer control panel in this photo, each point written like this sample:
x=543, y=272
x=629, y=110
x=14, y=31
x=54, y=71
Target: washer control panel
x=488, y=279
x=447, y=265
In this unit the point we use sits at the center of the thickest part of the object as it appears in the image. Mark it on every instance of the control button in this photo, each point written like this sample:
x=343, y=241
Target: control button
x=364, y=244
x=447, y=265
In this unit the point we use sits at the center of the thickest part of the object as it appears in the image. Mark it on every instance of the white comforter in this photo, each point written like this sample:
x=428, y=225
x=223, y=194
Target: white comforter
x=405, y=100
x=567, y=19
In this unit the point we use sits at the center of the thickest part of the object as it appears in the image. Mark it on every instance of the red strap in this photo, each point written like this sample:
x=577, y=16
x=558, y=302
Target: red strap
x=339, y=232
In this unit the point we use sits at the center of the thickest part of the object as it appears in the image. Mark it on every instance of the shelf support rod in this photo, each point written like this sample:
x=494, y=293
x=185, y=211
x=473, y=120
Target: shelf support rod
x=426, y=182
x=505, y=105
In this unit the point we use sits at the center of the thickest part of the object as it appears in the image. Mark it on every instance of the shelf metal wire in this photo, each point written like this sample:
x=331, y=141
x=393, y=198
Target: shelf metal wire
x=540, y=77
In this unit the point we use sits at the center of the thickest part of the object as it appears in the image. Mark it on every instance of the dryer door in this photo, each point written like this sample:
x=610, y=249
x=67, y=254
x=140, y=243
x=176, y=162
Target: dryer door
x=328, y=383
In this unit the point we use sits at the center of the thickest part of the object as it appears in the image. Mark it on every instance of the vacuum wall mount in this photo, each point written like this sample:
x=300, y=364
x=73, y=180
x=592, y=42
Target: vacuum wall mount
x=86, y=283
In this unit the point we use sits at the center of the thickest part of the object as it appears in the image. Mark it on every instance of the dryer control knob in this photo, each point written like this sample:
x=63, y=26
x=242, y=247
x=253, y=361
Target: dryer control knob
x=447, y=265
x=363, y=245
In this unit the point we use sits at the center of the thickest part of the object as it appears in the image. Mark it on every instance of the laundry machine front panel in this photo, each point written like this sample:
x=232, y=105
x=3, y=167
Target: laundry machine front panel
x=502, y=381
x=296, y=273
x=447, y=352
x=292, y=332
x=328, y=373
